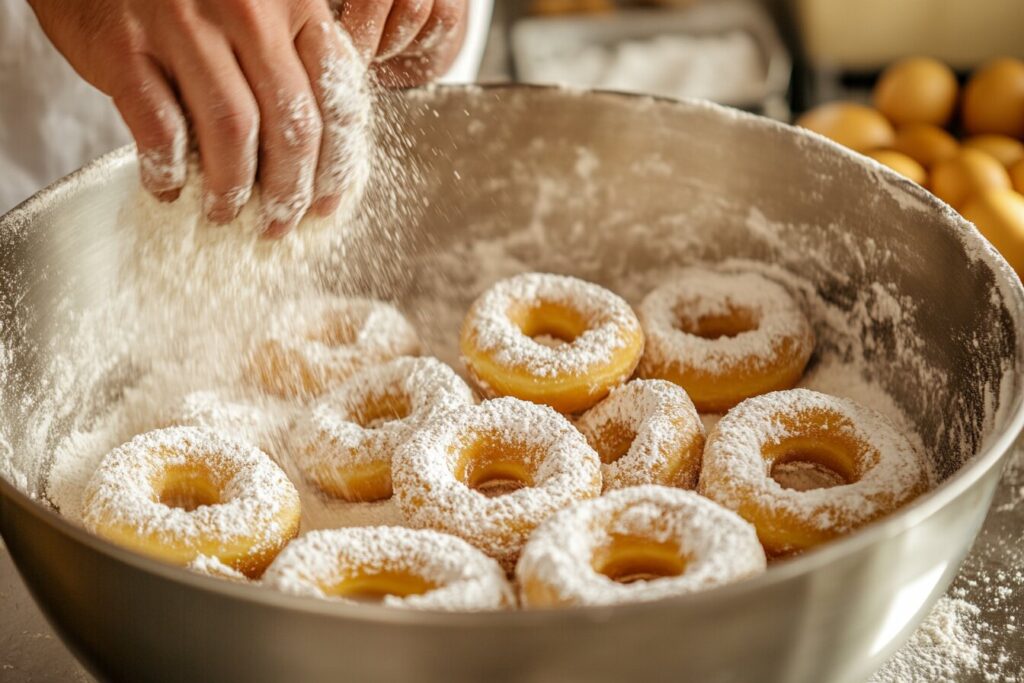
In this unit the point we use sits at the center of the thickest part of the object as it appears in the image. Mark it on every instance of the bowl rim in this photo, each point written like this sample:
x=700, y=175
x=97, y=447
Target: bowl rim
x=992, y=452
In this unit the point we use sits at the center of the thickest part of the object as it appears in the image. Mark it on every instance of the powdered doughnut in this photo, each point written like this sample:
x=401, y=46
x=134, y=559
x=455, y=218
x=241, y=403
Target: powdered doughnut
x=646, y=432
x=594, y=341
x=345, y=443
x=416, y=569
x=180, y=493
x=636, y=544
x=724, y=337
x=529, y=458
x=863, y=466
x=316, y=344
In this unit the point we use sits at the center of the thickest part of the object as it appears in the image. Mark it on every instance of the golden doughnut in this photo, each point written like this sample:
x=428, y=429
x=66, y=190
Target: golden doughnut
x=313, y=345
x=724, y=337
x=490, y=473
x=181, y=493
x=647, y=432
x=415, y=569
x=636, y=544
x=843, y=466
x=550, y=339
x=345, y=443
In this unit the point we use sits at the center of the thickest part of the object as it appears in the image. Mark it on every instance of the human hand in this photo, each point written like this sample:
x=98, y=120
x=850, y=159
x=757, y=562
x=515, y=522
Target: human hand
x=265, y=84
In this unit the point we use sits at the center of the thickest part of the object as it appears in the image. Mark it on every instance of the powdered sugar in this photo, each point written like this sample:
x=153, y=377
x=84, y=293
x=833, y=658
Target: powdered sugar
x=945, y=647
x=212, y=566
x=557, y=565
x=347, y=106
x=164, y=168
x=454, y=574
x=434, y=469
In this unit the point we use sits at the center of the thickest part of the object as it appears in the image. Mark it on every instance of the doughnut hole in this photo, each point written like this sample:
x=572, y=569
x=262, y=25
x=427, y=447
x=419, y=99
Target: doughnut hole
x=807, y=463
x=714, y=326
x=549, y=324
x=381, y=409
x=627, y=559
x=373, y=588
x=614, y=442
x=495, y=467
x=187, y=489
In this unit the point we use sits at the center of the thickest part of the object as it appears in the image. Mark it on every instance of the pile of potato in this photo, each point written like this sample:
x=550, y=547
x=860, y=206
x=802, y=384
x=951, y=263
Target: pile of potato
x=918, y=115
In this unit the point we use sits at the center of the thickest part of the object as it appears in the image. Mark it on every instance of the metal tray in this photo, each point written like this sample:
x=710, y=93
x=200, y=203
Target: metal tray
x=537, y=39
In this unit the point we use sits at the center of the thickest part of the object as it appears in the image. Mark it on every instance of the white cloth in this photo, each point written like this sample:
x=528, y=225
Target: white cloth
x=52, y=122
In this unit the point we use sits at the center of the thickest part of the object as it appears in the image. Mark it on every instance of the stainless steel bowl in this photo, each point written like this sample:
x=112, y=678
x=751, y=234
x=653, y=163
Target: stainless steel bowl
x=831, y=615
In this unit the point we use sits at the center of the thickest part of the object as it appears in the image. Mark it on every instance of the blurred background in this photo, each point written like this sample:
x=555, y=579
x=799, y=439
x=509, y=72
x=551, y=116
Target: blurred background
x=933, y=89
x=837, y=48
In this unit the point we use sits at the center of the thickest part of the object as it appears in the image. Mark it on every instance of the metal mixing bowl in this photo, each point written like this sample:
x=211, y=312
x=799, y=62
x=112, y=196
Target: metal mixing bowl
x=487, y=154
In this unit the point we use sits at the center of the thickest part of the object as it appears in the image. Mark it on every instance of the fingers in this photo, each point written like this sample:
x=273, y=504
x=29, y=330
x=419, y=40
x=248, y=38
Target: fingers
x=365, y=22
x=433, y=50
x=405, y=22
x=151, y=111
x=224, y=116
x=290, y=125
x=338, y=77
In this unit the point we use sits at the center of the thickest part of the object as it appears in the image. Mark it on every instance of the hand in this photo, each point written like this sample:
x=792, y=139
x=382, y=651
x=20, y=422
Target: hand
x=262, y=81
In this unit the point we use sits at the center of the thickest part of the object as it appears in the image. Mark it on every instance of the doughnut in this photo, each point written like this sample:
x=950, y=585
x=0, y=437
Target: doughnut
x=313, y=345
x=852, y=465
x=345, y=444
x=398, y=567
x=176, y=494
x=550, y=339
x=490, y=473
x=724, y=337
x=636, y=544
x=646, y=432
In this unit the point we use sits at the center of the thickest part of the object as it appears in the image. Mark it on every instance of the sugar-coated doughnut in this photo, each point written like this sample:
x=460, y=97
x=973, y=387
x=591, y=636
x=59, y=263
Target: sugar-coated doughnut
x=636, y=544
x=315, y=344
x=415, y=569
x=180, y=493
x=345, y=443
x=490, y=473
x=724, y=337
x=593, y=341
x=863, y=467
x=646, y=432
